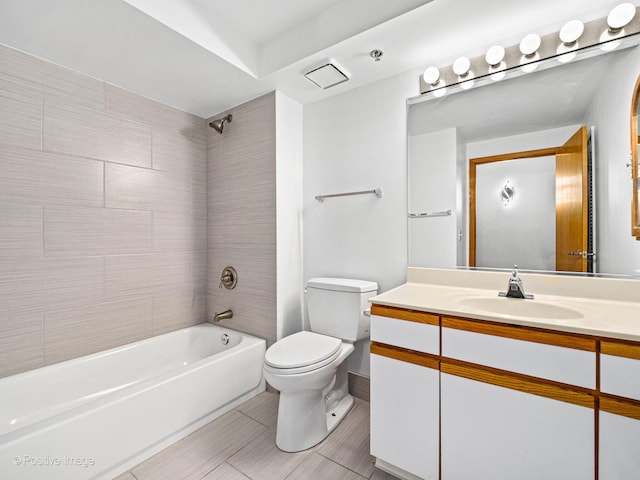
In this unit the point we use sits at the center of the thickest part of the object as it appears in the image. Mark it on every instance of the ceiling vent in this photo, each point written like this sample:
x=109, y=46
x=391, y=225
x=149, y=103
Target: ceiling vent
x=327, y=75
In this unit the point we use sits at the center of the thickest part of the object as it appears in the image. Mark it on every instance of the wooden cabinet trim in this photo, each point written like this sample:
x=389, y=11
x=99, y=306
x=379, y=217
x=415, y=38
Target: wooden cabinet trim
x=517, y=332
x=620, y=349
x=403, y=314
x=404, y=355
x=518, y=382
x=619, y=406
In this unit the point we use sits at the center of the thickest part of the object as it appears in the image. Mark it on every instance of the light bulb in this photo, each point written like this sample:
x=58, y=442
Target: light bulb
x=461, y=66
x=571, y=32
x=495, y=55
x=620, y=16
x=431, y=76
x=529, y=44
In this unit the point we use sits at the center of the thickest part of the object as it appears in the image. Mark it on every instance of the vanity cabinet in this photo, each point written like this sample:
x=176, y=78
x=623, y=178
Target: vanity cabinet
x=456, y=398
x=516, y=403
x=405, y=394
x=619, y=416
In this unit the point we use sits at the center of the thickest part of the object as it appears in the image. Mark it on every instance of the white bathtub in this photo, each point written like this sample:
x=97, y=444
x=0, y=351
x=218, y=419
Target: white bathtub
x=99, y=415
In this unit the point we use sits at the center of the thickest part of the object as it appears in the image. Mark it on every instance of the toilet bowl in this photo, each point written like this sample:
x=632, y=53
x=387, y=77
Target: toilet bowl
x=309, y=368
x=310, y=371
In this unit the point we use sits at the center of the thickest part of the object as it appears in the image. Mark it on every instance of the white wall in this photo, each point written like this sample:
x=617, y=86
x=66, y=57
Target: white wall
x=553, y=137
x=617, y=251
x=289, y=120
x=357, y=141
x=432, y=188
x=523, y=232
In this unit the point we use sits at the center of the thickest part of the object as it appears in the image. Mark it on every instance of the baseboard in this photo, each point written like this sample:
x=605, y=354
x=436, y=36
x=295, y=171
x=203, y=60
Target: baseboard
x=359, y=386
x=271, y=389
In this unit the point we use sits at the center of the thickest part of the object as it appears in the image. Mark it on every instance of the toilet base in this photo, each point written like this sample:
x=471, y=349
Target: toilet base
x=305, y=429
x=335, y=416
x=305, y=418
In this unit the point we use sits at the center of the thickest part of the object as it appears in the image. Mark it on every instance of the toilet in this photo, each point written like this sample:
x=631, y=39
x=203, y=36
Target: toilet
x=310, y=369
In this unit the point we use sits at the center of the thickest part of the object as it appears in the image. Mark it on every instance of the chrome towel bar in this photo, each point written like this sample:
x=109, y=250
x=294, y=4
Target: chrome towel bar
x=444, y=213
x=376, y=191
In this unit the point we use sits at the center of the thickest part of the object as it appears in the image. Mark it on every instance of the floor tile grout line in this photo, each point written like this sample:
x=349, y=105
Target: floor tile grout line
x=332, y=461
x=254, y=419
x=344, y=466
x=226, y=460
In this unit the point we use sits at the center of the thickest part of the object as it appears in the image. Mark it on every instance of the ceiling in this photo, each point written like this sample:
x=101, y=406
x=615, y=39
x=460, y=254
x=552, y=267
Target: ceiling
x=205, y=56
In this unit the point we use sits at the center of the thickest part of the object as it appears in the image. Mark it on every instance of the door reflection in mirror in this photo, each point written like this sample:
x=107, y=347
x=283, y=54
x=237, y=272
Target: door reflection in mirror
x=549, y=226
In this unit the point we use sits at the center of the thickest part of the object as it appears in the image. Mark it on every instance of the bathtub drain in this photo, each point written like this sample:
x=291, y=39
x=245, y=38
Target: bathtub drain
x=224, y=339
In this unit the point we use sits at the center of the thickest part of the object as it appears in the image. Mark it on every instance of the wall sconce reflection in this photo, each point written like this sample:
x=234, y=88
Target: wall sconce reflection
x=507, y=193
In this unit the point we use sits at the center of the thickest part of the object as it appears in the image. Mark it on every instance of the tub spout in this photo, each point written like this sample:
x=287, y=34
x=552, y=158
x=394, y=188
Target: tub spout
x=222, y=316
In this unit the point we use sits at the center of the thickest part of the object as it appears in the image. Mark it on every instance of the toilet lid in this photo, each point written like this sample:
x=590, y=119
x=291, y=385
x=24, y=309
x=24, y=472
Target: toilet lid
x=301, y=349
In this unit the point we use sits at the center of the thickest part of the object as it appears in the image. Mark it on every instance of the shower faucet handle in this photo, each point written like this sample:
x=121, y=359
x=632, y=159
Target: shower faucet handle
x=229, y=278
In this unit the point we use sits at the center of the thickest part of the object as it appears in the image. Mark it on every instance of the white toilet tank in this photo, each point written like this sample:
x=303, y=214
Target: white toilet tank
x=336, y=307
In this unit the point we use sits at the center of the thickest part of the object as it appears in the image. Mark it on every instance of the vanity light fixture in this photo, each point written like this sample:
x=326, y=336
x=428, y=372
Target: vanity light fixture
x=617, y=19
x=495, y=58
x=621, y=29
x=529, y=46
x=462, y=68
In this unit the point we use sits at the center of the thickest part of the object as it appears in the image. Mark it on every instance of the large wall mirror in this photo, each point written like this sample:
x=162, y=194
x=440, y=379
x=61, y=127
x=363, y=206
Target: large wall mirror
x=531, y=170
x=635, y=145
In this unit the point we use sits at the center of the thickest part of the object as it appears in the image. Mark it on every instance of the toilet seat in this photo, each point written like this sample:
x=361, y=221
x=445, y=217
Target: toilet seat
x=302, y=352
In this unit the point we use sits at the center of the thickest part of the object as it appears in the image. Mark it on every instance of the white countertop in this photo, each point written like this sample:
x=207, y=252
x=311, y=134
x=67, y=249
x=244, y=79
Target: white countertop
x=613, y=316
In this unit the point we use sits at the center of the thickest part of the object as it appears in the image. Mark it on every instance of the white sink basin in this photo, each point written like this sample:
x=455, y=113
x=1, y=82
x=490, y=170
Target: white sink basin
x=520, y=308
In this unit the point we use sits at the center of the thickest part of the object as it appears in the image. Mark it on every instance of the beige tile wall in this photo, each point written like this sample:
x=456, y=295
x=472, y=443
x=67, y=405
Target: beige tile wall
x=103, y=215
x=241, y=217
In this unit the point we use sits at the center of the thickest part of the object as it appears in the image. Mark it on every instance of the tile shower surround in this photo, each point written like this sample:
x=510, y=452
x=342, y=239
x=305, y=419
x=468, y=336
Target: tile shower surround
x=103, y=215
x=241, y=216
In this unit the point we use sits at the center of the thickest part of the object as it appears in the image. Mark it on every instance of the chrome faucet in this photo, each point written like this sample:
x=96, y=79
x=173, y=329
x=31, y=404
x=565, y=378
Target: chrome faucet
x=515, y=288
x=222, y=316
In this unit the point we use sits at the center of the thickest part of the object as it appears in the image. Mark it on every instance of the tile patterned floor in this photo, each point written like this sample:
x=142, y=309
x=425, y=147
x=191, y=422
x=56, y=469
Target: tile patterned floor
x=240, y=445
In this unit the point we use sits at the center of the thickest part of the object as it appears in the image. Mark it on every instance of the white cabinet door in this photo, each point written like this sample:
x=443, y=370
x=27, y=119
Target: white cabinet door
x=619, y=447
x=492, y=432
x=405, y=416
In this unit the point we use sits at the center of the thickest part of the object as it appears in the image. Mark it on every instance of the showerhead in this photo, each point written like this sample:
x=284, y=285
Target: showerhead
x=218, y=125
